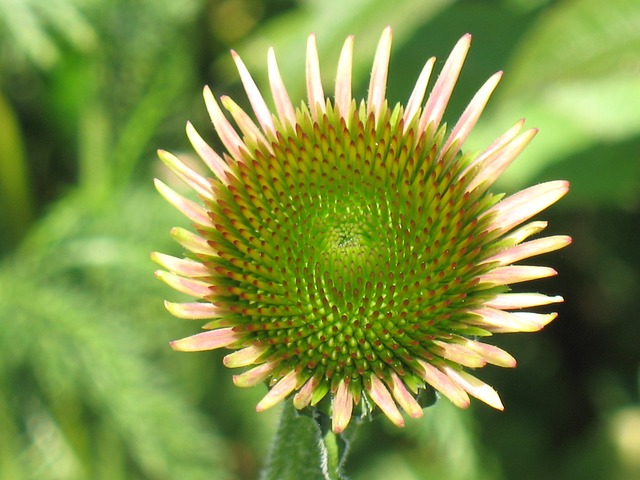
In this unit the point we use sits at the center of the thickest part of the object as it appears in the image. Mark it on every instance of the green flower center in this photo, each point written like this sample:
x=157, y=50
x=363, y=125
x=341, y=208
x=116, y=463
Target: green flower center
x=347, y=249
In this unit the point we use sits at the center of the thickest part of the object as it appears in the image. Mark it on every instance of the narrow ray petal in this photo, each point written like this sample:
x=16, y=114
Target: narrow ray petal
x=226, y=132
x=525, y=204
x=192, y=242
x=378, y=82
x=194, y=212
x=417, y=95
x=343, y=77
x=511, y=301
x=404, y=398
x=279, y=391
x=181, y=266
x=516, y=274
x=305, y=394
x=506, y=322
x=244, y=122
x=530, y=249
x=525, y=231
x=540, y=319
x=256, y=375
x=475, y=387
x=315, y=91
x=263, y=114
x=492, y=354
x=186, y=174
x=279, y=92
x=493, y=165
x=381, y=396
x=194, y=288
x=471, y=114
x=439, y=97
x=443, y=384
x=459, y=354
x=342, y=407
x=497, y=145
x=214, y=161
x=222, y=337
x=192, y=311
x=245, y=357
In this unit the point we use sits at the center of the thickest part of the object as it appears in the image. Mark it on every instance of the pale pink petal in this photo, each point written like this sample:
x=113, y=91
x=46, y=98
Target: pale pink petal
x=192, y=311
x=417, y=95
x=342, y=408
x=305, y=394
x=516, y=274
x=263, y=114
x=529, y=249
x=497, y=145
x=443, y=384
x=278, y=90
x=404, y=397
x=194, y=212
x=226, y=132
x=222, y=337
x=458, y=354
x=244, y=122
x=381, y=396
x=214, y=161
x=279, y=391
x=186, y=174
x=511, y=301
x=378, y=82
x=475, y=387
x=343, y=77
x=245, y=357
x=189, y=286
x=315, y=91
x=525, y=204
x=496, y=320
x=471, y=114
x=256, y=375
x=492, y=354
x=439, y=96
x=182, y=266
x=192, y=242
x=493, y=165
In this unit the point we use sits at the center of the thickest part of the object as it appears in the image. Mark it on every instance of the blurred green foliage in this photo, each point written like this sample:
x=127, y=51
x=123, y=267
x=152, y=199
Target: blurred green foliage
x=89, y=88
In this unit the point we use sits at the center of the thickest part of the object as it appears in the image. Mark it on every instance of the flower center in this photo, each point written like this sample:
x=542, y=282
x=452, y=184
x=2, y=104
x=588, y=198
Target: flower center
x=357, y=251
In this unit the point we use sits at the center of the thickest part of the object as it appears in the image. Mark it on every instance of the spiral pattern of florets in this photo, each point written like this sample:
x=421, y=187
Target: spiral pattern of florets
x=348, y=249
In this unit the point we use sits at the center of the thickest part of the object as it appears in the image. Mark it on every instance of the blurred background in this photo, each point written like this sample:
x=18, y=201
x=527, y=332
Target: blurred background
x=89, y=89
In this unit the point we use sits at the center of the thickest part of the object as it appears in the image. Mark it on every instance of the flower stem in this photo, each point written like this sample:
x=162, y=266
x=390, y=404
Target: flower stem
x=306, y=447
x=334, y=448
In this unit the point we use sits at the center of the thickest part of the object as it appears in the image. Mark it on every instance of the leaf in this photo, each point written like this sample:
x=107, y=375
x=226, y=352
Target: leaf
x=16, y=205
x=575, y=77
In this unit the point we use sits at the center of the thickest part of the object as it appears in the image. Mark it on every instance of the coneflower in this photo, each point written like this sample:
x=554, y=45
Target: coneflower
x=348, y=252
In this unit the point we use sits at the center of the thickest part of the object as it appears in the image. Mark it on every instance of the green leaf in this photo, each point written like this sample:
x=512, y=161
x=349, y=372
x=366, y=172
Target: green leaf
x=16, y=205
x=575, y=78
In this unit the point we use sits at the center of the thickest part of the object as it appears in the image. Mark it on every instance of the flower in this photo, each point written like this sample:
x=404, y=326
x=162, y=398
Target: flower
x=347, y=252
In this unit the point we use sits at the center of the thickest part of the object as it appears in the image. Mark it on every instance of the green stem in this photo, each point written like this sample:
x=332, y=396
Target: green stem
x=333, y=447
x=306, y=447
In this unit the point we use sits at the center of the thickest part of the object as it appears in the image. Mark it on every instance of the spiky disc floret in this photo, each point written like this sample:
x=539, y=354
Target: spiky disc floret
x=348, y=253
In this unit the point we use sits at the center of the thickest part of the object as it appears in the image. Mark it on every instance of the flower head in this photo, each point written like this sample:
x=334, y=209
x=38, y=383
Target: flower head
x=347, y=252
